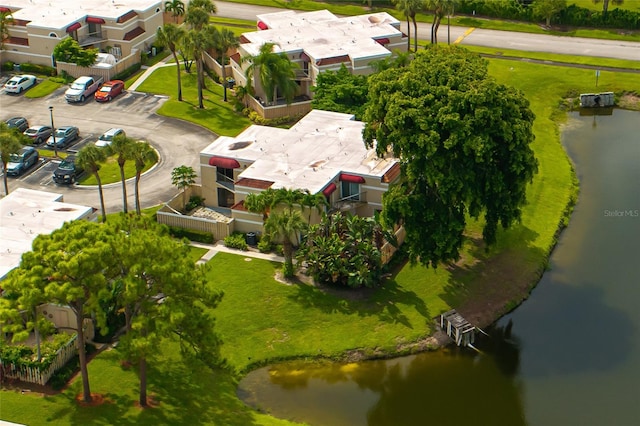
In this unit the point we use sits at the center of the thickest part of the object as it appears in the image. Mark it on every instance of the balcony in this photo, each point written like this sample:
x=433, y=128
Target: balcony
x=89, y=39
x=225, y=181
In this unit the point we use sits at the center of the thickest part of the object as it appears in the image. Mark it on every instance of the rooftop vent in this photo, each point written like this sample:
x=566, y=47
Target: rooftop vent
x=239, y=145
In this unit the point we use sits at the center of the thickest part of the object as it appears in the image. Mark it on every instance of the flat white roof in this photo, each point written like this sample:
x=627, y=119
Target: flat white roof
x=323, y=35
x=58, y=14
x=27, y=213
x=309, y=155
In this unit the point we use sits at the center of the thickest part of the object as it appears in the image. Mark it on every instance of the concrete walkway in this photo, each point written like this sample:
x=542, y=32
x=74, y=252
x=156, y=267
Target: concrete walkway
x=213, y=249
x=149, y=71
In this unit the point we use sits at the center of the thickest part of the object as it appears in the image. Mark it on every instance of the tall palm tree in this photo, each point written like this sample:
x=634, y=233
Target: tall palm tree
x=225, y=39
x=10, y=143
x=170, y=36
x=439, y=8
x=142, y=154
x=285, y=225
x=121, y=146
x=410, y=8
x=195, y=43
x=275, y=71
x=89, y=158
x=175, y=7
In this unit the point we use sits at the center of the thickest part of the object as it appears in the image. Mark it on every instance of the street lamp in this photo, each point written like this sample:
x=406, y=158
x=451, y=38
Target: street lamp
x=53, y=132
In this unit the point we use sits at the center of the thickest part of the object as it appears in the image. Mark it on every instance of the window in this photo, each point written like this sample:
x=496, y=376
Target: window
x=350, y=191
x=224, y=175
x=225, y=198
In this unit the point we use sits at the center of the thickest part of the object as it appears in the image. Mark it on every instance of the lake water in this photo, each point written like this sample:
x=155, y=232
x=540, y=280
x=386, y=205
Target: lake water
x=570, y=355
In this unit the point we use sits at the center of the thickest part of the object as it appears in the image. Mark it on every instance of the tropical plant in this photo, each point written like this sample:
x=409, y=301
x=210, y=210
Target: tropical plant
x=605, y=4
x=89, y=158
x=171, y=36
x=68, y=50
x=276, y=73
x=285, y=225
x=183, y=177
x=6, y=19
x=195, y=43
x=175, y=7
x=142, y=154
x=439, y=9
x=410, y=8
x=547, y=9
x=122, y=147
x=224, y=40
x=11, y=141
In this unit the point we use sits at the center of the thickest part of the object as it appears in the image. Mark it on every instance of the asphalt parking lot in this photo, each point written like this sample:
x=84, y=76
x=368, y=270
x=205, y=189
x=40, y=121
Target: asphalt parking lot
x=178, y=142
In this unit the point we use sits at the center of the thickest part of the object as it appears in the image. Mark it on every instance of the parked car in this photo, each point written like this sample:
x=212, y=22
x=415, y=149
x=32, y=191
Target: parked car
x=63, y=136
x=82, y=88
x=106, y=138
x=67, y=171
x=109, y=90
x=19, y=123
x=38, y=134
x=18, y=83
x=22, y=160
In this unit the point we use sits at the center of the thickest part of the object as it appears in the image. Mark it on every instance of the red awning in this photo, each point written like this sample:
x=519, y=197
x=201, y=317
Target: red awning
x=4, y=9
x=262, y=25
x=305, y=57
x=71, y=28
x=329, y=189
x=383, y=41
x=351, y=178
x=225, y=163
x=93, y=20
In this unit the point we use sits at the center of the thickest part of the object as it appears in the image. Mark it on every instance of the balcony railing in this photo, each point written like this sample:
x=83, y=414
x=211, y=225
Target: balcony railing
x=92, y=38
x=225, y=181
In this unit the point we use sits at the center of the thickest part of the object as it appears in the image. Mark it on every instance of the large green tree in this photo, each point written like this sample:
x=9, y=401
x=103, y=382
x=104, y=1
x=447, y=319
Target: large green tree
x=142, y=154
x=341, y=91
x=68, y=50
x=163, y=294
x=90, y=158
x=121, y=146
x=464, y=145
x=275, y=71
x=171, y=36
x=547, y=9
x=68, y=266
x=11, y=140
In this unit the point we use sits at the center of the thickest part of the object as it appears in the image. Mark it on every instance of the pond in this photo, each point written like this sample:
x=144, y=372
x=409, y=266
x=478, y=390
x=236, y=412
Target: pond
x=570, y=355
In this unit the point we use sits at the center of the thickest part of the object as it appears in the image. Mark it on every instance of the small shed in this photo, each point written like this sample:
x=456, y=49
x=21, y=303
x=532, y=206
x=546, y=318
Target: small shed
x=457, y=328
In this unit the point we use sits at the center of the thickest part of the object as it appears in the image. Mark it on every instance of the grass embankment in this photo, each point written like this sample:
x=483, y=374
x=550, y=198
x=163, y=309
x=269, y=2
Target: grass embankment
x=261, y=320
x=217, y=115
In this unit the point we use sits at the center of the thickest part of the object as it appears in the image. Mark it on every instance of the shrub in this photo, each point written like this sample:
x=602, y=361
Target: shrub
x=194, y=202
x=38, y=69
x=128, y=72
x=198, y=236
x=258, y=119
x=265, y=245
x=8, y=66
x=60, y=378
x=236, y=241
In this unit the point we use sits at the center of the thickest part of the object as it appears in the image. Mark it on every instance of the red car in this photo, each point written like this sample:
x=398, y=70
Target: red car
x=109, y=90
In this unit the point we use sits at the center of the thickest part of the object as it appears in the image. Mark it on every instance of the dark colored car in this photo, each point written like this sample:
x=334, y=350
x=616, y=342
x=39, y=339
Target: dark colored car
x=109, y=90
x=64, y=136
x=68, y=171
x=22, y=160
x=19, y=123
x=38, y=134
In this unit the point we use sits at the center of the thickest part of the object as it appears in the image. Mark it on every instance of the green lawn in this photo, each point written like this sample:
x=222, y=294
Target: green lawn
x=217, y=116
x=110, y=172
x=44, y=88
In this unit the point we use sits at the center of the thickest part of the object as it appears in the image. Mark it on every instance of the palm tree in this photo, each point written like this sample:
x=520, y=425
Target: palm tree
x=225, y=40
x=175, y=7
x=439, y=8
x=10, y=143
x=121, y=146
x=142, y=154
x=285, y=225
x=89, y=158
x=170, y=36
x=276, y=72
x=195, y=43
x=410, y=8
x=183, y=177
x=313, y=201
x=6, y=19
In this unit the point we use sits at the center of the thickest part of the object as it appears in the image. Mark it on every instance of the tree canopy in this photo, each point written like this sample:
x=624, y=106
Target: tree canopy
x=68, y=50
x=464, y=146
x=341, y=91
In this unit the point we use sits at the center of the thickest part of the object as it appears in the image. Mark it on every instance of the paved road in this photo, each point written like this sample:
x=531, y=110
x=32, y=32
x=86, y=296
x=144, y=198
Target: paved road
x=488, y=38
x=178, y=143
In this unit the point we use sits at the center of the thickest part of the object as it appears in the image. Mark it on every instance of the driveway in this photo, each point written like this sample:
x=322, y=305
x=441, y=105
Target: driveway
x=178, y=143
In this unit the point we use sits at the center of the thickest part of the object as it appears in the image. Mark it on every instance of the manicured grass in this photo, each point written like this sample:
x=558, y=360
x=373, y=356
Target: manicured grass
x=44, y=88
x=217, y=116
x=45, y=152
x=110, y=172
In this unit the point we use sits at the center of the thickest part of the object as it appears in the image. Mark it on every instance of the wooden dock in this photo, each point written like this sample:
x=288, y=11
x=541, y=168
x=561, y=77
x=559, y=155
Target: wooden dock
x=457, y=328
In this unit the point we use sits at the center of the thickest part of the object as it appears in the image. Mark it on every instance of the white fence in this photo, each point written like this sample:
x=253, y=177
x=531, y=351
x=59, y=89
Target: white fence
x=34, y=374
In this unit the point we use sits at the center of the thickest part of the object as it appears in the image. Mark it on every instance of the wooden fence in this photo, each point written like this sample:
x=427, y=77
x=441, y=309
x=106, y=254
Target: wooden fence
x=36, y=375
x=389, y=249
x=106, y=73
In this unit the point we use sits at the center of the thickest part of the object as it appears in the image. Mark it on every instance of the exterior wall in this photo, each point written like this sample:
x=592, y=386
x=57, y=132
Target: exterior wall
x=275, y=111
x=106, y=73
